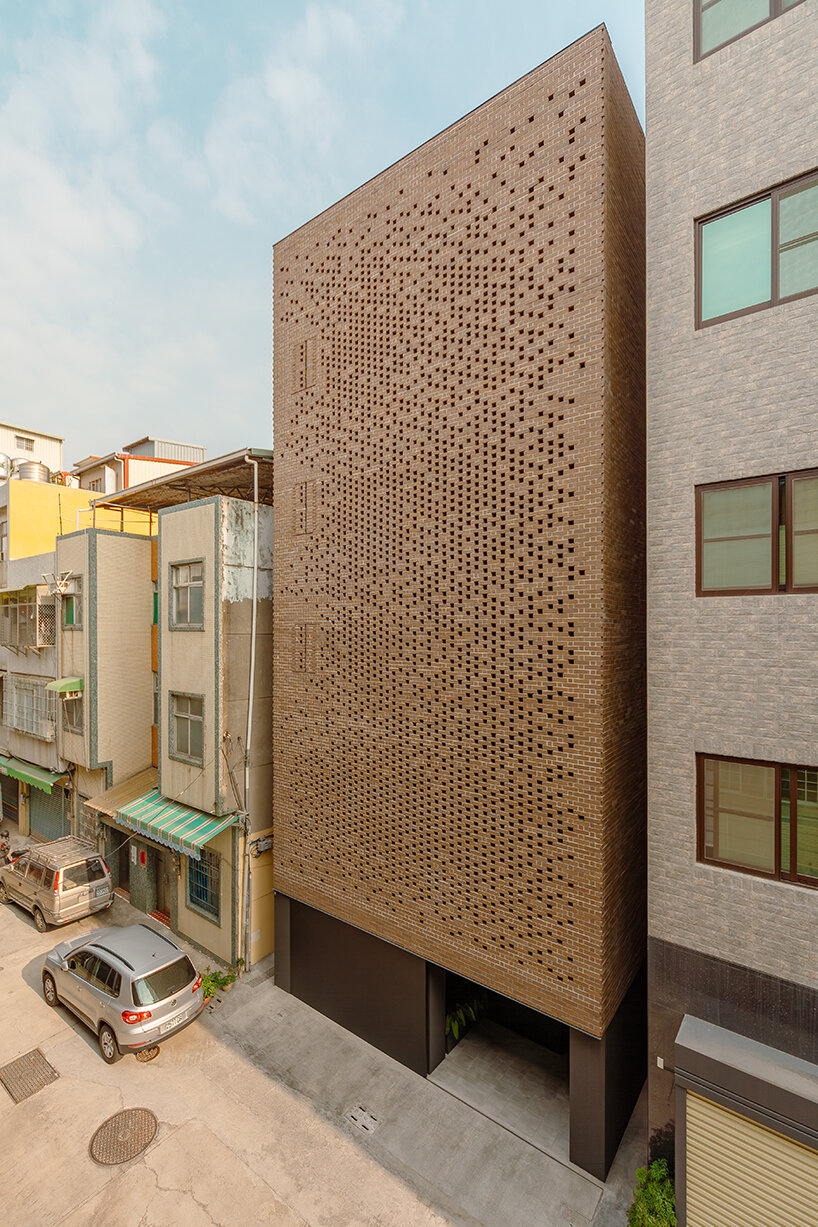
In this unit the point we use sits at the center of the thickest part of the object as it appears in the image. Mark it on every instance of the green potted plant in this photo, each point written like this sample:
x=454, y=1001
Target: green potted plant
x=654, y=1198
x=462, y=1015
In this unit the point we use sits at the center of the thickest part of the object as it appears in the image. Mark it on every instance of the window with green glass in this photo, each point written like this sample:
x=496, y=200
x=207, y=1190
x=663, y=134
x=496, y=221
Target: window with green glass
x=760, y=253
x=719, y=22
x=759, y=817
x=736, y=536
x=758, y=535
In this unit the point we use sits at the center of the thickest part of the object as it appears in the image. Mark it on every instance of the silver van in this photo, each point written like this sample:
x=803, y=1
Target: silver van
x=134, y=987
x=58, y=882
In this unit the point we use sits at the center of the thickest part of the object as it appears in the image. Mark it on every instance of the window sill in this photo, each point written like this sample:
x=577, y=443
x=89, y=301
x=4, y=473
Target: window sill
x=205, y=915
x=189, y=762
x=182, y=626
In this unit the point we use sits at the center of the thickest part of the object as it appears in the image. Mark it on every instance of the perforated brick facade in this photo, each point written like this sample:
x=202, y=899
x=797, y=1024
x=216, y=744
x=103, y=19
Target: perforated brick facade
x=459, y=426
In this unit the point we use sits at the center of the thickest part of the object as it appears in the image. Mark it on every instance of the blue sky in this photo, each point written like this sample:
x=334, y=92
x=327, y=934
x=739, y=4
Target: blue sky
x=152, y=153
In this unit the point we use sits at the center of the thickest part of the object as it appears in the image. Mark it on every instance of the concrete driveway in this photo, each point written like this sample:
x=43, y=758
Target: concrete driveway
x=268, y=1113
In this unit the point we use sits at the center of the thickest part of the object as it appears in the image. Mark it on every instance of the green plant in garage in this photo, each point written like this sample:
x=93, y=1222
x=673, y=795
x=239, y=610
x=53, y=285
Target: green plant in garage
x=654, y=1198
x=461, y=1016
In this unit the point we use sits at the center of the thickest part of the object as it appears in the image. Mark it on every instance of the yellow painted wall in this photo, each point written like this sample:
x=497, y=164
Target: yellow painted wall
x=38, y=513
x=193, y=924
x=262, y=902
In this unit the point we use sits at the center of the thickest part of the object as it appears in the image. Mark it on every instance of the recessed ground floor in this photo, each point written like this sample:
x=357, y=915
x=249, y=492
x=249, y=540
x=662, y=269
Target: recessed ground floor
x=413, y=1010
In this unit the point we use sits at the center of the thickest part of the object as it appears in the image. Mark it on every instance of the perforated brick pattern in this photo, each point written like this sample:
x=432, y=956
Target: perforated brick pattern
x=452, y=409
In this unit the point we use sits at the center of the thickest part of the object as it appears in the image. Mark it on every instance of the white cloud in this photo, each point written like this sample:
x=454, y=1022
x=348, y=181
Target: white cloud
x=130, y=301
x=275, y=131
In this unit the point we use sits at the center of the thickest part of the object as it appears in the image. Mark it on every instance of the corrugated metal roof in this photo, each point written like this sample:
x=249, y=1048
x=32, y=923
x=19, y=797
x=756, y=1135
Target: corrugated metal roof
x=229, y=475
x=110, y=801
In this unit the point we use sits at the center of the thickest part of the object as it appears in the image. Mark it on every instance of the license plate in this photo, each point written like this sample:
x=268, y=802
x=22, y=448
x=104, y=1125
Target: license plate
x=172, y=1022
x=102, y=890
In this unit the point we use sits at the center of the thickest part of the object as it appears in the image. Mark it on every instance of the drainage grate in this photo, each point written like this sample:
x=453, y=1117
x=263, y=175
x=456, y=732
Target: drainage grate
x=27, y=1075
x=123, y=1136
x=362, y=1119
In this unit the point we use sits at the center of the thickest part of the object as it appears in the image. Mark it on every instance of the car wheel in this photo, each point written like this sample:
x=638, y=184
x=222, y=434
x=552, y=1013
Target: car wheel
x=4, y=894
x=108, y=1045
x=39, y=921
x=50, y=990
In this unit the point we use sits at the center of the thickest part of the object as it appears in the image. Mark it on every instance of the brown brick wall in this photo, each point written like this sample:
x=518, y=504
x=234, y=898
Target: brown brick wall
x=458, y=719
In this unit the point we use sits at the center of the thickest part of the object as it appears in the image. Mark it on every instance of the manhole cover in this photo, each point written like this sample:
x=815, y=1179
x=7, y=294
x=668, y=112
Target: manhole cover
x=123, y=1136
x=27, y=1075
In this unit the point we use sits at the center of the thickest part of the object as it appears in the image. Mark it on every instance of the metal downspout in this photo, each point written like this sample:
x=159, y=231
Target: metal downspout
x=246, y=943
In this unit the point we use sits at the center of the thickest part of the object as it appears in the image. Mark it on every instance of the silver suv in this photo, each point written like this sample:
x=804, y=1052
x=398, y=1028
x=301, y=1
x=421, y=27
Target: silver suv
x=58, y=882
x=132, y=986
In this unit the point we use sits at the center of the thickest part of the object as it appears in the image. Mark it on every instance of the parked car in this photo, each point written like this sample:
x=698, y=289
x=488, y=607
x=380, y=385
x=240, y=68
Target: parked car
x=58, y=882
x=132, y=986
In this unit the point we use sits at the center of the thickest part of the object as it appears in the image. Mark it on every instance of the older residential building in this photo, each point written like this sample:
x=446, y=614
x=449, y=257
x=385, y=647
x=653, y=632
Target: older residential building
x=459, y=677
x=138, y=462
x=33, y=511
x=188, y=838
x=732, y=225
x=23, y=446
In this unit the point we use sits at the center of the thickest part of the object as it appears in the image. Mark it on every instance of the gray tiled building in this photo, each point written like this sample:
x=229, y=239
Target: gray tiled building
x=732, y=217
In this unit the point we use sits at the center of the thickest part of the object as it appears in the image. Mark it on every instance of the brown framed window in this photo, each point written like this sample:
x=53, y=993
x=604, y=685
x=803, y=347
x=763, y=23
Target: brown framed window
x=758, y=817
x=758, y=535
x=719, y=22
x=758, y=253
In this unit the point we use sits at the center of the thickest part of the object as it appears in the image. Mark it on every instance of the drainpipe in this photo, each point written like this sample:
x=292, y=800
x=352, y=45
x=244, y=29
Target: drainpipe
x=246, y=942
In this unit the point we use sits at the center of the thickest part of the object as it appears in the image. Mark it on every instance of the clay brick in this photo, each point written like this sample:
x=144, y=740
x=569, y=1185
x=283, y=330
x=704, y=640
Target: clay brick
x=459, y=574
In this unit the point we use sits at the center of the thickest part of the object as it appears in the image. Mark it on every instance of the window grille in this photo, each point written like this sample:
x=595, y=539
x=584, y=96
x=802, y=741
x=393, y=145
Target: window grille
x=27, y=620
x=24, y=444
x=203, y=880
x=29, y=707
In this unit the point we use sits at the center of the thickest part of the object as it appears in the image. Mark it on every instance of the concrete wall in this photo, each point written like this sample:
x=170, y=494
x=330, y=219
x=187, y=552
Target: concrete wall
x=211, y=934
x=237, y=605
x=74, y=655
x=124, y=615
x=188, y=658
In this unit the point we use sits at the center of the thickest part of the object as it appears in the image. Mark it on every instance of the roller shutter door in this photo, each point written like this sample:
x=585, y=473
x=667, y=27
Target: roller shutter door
x=739, y=1172
x=10, y=789
x=45, y=814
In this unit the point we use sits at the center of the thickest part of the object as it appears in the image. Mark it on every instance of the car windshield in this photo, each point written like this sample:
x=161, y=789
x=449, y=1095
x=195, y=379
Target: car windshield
x=164, y=982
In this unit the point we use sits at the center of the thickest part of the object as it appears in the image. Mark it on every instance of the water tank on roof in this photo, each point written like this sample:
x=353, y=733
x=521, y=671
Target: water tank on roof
x=5, y=467
x=33, y=470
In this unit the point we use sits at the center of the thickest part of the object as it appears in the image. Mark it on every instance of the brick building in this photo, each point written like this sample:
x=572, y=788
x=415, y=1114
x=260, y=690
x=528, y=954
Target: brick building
x=458, y=597
x=732, y=219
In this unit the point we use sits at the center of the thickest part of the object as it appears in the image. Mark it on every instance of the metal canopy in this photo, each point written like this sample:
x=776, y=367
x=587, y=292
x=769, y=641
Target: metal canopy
x=229, y=475
x=174, y=825
x=37, y=777
x=66, y=685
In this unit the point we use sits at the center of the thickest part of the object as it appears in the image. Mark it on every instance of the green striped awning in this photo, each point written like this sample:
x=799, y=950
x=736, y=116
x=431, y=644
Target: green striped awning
x=37, y=777
x=169, y=823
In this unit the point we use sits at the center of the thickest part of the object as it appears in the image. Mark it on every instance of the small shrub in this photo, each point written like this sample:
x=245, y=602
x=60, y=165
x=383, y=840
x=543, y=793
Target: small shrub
x=654, y=1200
x=212, y=981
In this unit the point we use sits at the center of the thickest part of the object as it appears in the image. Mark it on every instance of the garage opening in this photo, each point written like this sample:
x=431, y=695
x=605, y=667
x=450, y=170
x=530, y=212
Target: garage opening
x=511, y=1064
